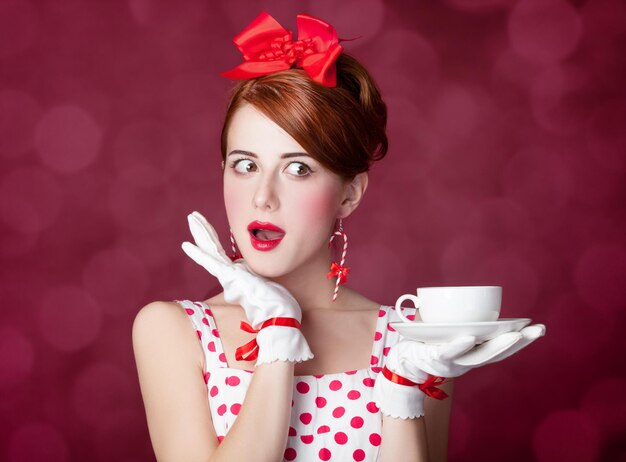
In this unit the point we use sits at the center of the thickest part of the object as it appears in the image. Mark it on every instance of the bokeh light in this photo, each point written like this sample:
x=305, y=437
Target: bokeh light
x=68, y=139
x=69, y=318
x=17, y=356
x=544, y=31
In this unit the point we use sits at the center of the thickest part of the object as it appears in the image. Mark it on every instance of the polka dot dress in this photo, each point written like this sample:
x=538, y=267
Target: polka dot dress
x=333, y=416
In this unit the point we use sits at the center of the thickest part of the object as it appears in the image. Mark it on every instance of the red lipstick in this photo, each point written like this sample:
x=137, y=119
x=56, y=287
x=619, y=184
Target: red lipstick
x=264, y=244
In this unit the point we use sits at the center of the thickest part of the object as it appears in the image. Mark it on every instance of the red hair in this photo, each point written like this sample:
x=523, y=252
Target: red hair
x=342, y=127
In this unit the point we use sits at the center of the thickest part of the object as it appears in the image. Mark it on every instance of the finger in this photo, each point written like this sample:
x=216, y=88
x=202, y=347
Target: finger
x=457, y=347
x=208, y=262
x=205, y=236
x=529, y=335
x=490, y=349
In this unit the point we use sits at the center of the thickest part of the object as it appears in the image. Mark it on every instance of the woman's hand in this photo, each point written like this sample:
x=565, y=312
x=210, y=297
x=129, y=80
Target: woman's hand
x=413, y=369
x=263, y=301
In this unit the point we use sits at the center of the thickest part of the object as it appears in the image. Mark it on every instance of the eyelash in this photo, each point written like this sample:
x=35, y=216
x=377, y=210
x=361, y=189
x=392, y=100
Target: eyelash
x=234, y=163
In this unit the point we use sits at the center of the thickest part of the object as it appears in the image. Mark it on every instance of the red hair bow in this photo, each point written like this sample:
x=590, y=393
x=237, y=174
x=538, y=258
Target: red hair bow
x=267, y=47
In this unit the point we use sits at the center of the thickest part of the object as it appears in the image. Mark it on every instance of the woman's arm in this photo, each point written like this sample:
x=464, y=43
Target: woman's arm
x=169, y=363
x=421, y=439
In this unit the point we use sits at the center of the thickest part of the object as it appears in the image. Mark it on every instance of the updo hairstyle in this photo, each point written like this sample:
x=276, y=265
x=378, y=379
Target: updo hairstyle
x=341, y=127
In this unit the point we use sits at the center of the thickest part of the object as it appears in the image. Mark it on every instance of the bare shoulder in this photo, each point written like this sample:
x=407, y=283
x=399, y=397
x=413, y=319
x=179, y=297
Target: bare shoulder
x=158, y=315
x=165, y=322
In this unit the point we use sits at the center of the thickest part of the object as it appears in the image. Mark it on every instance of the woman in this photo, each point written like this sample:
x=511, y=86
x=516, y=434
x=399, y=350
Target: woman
x=302, y=380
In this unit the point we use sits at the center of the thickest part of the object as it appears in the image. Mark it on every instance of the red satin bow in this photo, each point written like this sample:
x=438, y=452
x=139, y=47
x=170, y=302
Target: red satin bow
x=250, y=350
x=267, y=47
x=338, y=270
x=429, y=387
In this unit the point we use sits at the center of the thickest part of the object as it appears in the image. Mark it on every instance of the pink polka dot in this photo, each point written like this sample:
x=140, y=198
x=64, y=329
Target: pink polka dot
x=189, y=311
x=356, y=422
x=199, y=334
x=306, y=418
x=208, y=313
x=354, y=394
x=375, y=439
x=323, y=429
x=391, y=329
x=215, y=332
x=319, y=376
x=324, y=454
x=320, y=402
x=386, y=351
x=219, y=439
x=335, y=385
x=306, y=439
x=338, y=412
x=410, y=317
x=376, y=369
x=221, y=410
x=369, y=382
x=290, y=454
x=373, y=360
x=302, y=387
x=205, y=321
x=207, y=376
x=358, y=455
x=381, y=313
x=341, y=438
x=214, y=391
x=371, y=406
x=350, y=372
x=292, y=431
x=232, y=381
x=222, y=358
x=211, y=346
x=235, y=408
x=378, y=336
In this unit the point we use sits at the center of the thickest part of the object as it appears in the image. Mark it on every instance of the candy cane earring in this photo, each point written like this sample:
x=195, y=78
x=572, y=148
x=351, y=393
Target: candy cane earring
x=236, y=254
x=339, y=270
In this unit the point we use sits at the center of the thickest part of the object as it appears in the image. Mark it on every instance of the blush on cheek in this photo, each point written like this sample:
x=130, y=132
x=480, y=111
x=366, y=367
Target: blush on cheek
x=320, y=207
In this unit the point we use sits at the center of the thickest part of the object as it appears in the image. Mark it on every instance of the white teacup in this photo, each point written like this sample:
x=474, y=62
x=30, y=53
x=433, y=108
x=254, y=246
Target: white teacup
x=454, y=304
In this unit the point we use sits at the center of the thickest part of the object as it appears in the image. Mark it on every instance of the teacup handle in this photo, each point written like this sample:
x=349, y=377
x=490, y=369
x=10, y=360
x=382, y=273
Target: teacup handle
x=399, y=303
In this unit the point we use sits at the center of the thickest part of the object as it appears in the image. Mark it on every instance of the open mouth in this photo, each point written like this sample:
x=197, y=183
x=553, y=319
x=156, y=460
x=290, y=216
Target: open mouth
x=266, y=234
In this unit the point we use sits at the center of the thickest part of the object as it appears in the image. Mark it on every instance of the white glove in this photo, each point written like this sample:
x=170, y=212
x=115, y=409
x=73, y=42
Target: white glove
x=260, y=298
x=423, y=363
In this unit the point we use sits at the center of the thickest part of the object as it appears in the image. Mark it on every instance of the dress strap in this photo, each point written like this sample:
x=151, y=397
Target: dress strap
x=386, y=336
x=204, y=323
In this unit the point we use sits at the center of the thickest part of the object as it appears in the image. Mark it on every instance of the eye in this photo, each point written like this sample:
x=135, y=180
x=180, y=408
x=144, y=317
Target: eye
x=299, y=169
x=243, y=166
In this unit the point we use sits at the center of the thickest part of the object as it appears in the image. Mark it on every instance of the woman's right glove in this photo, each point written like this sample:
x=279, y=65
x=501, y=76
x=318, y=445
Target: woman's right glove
x=272, y=311
x=413, y=369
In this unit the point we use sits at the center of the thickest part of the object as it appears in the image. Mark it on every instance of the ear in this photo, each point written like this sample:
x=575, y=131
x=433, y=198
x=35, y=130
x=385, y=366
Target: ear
x=353, y=193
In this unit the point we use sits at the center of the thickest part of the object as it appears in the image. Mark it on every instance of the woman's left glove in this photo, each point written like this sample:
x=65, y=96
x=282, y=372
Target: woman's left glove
x=413, y=370
x=272, y=311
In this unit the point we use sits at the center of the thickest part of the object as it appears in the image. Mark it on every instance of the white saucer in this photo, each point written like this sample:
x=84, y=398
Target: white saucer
x=445, y=332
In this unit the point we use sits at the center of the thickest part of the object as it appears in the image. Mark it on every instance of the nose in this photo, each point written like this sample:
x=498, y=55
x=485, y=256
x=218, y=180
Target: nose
x=265, y=197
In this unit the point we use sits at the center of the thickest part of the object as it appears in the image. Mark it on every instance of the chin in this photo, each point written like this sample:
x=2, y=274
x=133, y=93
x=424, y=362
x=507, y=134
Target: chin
x=267, y=269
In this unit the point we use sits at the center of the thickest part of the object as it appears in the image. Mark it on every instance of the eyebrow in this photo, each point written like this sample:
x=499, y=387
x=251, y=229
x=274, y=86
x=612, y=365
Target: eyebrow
x=286, y=155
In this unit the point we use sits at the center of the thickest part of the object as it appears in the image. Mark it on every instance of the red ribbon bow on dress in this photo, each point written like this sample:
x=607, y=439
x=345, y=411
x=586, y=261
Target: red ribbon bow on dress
x=340, y=271
x=267, y=47
x=250, y=350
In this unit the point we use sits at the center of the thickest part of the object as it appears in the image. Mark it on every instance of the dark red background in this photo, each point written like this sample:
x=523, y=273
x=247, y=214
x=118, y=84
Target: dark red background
x=506, y=166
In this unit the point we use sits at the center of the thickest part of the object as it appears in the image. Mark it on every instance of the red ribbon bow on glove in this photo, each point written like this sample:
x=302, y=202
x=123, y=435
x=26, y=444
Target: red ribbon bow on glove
x=267, y=47
x=429, y=387
x=250, y=350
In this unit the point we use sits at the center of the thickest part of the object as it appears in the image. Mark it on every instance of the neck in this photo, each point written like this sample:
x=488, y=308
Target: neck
x=309, y=285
